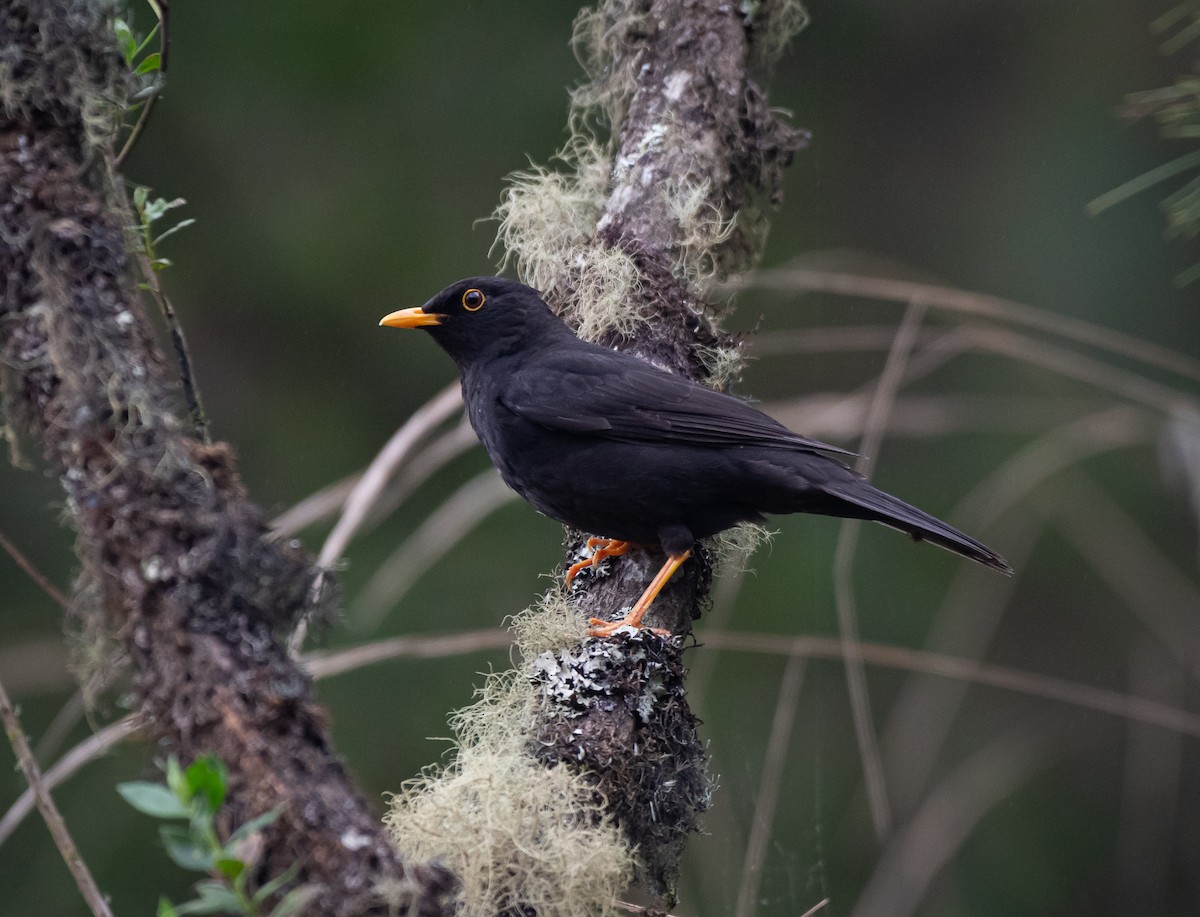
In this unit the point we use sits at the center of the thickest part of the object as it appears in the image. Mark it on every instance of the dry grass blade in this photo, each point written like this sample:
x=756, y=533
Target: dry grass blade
x=768, y=788
x=847, y=614
x=926, y=707
x=329, y=664
x=445, y=527
x=944, y=821
x=1131, y=564
x=977, y=304
x=383, y=467
x=1033, y=684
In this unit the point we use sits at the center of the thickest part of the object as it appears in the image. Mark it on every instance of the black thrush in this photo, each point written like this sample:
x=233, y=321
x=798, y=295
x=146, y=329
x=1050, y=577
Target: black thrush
x=609, y=444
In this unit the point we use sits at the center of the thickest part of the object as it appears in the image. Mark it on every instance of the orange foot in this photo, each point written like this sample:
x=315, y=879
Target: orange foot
x=600, y=548
x=597, y=627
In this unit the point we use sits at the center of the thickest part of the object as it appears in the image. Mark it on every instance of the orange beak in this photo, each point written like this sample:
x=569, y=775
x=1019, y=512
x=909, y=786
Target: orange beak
x=410, y=318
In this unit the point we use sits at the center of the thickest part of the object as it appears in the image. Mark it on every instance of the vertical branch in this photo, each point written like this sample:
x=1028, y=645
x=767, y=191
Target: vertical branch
x=627, y=248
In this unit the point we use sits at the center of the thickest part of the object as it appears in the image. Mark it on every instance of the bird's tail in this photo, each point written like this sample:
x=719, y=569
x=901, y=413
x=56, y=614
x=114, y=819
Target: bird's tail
x=877, y=506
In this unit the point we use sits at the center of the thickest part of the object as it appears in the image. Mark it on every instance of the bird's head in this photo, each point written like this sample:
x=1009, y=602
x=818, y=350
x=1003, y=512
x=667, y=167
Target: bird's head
x=481, y=316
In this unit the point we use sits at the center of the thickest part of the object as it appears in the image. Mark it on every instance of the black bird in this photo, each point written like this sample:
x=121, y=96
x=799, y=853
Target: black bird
x=609, y=444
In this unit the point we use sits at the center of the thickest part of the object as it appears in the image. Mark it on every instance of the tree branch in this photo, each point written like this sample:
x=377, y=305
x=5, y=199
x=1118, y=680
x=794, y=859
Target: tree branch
x=695, y=159
x=177, y=567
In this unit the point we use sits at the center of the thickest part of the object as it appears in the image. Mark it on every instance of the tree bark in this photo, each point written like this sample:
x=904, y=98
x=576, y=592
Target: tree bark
x=177, y=565
x=698, y=158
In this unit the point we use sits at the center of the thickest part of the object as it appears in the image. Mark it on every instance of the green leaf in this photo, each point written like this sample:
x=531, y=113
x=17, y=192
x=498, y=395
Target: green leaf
x=295, y=900
x=207, y=778
x=277, y=883
x=155, y=209
x=149, y=38
x=149, y=62
x=182, y=224
x=125, y=39
x=183, y=849
x=230, y=867
x=175, y=778
x=139, y=201
x=152, y=799
x=166, y=909
x=214, y=898
x=255, y=824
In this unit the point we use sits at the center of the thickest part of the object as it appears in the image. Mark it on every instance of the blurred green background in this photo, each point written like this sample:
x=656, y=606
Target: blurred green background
x=338, y=159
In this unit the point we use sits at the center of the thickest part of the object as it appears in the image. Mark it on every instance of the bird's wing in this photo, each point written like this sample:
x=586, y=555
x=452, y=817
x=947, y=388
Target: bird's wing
x=616, y=396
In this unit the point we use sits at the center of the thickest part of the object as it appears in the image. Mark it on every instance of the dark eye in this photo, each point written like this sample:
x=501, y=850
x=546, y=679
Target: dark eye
x=473, y=300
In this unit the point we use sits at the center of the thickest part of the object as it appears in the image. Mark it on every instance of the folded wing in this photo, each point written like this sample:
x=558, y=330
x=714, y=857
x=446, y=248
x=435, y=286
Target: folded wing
x=630, y=401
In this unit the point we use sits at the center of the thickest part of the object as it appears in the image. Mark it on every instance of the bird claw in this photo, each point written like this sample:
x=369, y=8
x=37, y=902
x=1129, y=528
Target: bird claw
x=601, y=549
x=598, y=627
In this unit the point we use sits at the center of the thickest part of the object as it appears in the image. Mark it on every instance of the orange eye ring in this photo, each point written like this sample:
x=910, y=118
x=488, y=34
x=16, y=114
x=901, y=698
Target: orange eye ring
x=473, y=300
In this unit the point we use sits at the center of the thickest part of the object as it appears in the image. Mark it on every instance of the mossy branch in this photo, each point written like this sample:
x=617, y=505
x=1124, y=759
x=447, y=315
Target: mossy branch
x=662, y=188
x=177, y=572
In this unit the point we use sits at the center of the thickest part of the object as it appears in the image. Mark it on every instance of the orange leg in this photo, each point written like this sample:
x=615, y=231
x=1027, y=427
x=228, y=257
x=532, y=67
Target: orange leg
x=601, y=548
x=601, y=628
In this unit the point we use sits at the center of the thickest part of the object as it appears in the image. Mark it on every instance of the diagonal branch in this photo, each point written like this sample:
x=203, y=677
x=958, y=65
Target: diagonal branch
x=178, y=570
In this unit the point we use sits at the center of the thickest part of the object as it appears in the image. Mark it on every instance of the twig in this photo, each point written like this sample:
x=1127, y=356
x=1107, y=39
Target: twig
x=162, y=8
x=979, y=304
x=33, y=573
x=60, y=727
x=179, y=344
x=66, y=767
x=1116, y=428
x=464, y=509
x=963, y=625
x=329, y=499
x=843, y=561
x=1032, y=684
x=768, y=787
x=320, y=665
x=397, y=450
x=315, y=507
x=329, y=664
x=1150, y=810
x=945, y=820
x=366, y=491
x=50, y=814
x=1124, y=557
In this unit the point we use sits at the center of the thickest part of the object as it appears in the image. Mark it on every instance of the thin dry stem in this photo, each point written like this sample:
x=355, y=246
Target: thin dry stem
x=977, y=304
x=767, y=798
x=383, y=467
x=945, y=820
x=1128, y=561
x=66, y=767
x=860, y=704
x=50, y=814
x=458, y=515
x=33, y=572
